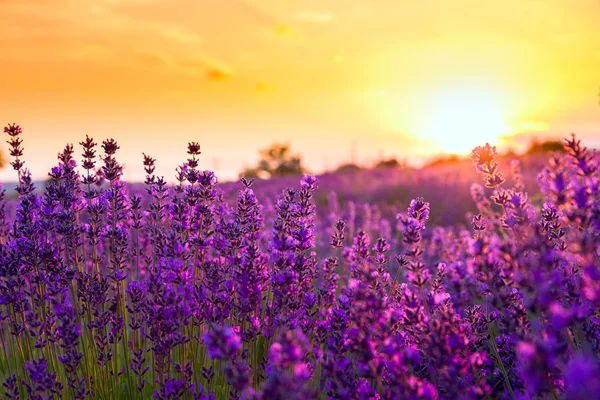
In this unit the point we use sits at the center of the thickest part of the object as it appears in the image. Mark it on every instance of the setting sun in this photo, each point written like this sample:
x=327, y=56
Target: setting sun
x=459, y=121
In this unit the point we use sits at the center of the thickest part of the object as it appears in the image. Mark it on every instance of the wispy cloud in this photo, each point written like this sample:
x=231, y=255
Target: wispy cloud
x=100, y=17
x=213, y=69
x=217, y=74
x=265, y=87
x=177, y=33
x=91, y=51
x=151, y=59
x=113, y=20
x=270, y=21
x=134, y=2
x=318, y=17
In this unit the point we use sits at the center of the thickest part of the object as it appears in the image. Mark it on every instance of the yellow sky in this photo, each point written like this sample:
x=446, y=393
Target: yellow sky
x=391, y=77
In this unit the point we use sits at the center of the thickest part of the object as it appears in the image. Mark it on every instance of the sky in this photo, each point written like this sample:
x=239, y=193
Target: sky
x=338, y=80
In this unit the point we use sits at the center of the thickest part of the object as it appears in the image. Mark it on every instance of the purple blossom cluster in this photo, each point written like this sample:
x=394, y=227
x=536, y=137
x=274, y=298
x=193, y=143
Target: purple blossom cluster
x=109, y=290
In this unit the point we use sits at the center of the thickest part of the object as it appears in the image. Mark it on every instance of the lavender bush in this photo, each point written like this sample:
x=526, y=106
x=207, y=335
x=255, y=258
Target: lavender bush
x=174, y=292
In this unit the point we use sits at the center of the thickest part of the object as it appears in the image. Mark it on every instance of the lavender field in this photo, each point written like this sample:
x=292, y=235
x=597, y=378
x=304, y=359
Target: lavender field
x=381, y=284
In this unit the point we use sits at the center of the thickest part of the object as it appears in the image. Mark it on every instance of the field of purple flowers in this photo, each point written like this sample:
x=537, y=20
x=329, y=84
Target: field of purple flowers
x=208, y=291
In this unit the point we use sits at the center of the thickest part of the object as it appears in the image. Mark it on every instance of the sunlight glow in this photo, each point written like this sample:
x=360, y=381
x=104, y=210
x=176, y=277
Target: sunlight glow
x=460, y=121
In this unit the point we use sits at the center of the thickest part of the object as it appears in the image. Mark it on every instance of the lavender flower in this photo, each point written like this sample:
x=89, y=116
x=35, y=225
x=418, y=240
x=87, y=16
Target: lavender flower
x=202, y=290
x=222, y=343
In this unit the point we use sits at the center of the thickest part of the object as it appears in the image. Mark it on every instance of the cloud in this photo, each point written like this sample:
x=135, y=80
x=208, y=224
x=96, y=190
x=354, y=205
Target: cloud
x=217, y=74
x=317, y=17
x=285, y=31
x=176, y=33
x=112, y=20
x=264, y=87
x=271, y=22
x=282, y=30
x=91, y=51
x=102, y=17
x=151, y=59
x=213, y=69
x=132, y=2
x=256, y=13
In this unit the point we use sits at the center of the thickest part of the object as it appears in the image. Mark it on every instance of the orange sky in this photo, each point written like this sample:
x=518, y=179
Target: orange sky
x=391, y=77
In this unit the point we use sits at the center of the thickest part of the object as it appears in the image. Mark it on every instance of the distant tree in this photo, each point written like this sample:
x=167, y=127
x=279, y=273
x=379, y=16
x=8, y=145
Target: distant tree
x=276, y=160
x=3, y=159
x=545, y=147
x=348, y=167
x=444, y=159
x=389, y=163
x=510, y=153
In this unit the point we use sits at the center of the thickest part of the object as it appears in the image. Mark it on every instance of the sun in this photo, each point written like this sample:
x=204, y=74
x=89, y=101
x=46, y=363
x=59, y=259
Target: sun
x=459, y=121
